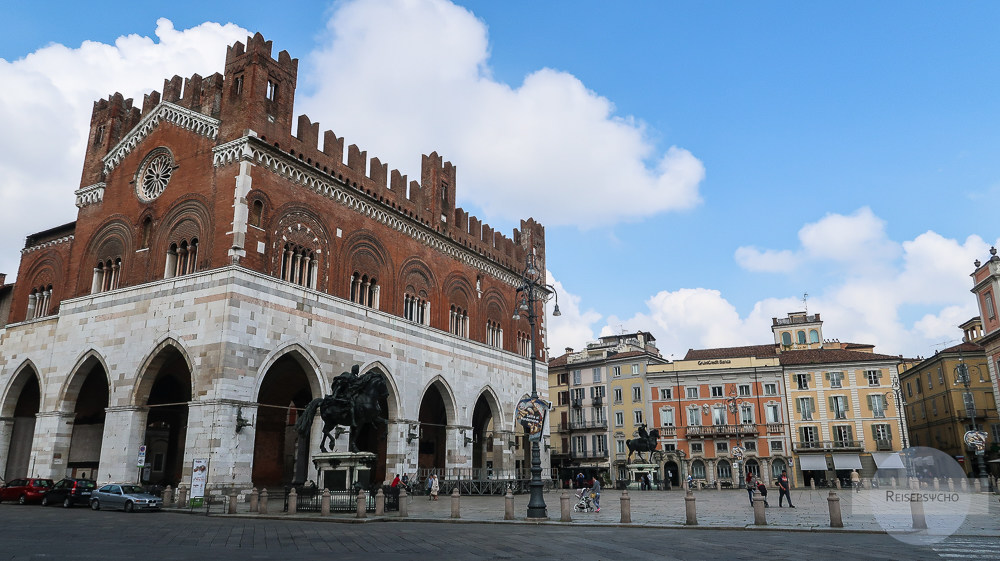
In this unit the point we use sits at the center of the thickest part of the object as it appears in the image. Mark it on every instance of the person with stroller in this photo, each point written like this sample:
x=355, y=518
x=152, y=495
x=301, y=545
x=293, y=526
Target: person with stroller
x=595, y=489
x=584, y=504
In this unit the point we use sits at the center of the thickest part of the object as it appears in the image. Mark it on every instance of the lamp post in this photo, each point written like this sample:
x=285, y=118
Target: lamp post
x=897, y=393
x=533, y=289
x=733, y=403
x=974, y=438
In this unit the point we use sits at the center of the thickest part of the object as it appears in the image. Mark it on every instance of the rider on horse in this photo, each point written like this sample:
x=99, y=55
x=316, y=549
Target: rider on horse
x=343, y=389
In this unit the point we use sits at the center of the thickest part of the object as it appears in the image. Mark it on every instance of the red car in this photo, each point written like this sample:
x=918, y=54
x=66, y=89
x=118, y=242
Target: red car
x=25, y=490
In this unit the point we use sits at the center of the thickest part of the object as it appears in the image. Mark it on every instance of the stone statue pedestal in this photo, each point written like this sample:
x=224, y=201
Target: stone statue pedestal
x=638, y=469
x=344, y=471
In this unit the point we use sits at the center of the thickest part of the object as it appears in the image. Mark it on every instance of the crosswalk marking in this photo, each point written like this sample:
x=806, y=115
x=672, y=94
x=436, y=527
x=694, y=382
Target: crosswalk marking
x=967, y=549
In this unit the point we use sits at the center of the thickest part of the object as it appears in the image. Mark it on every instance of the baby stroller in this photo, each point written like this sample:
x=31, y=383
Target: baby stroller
x=586, y=501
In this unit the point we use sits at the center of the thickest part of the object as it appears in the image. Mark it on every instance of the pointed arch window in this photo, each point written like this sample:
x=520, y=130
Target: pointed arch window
x=523, y=344
x=365, y=290
x=256, y=217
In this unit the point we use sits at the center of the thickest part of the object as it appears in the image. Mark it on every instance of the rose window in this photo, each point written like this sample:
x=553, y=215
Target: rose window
x=154, y=176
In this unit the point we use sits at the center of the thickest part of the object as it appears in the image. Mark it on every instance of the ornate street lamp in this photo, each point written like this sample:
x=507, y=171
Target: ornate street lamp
x=974, y=438
x=733, y=403
x=533, y=289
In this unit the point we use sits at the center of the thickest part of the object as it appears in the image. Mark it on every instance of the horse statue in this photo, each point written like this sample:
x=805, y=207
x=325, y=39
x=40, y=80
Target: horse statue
x=354, y=403
x=647, y=442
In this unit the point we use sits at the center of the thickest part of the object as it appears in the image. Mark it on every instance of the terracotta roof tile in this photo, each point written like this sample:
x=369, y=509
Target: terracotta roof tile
x=965, y=347
x=828, y=356
x=758, y=351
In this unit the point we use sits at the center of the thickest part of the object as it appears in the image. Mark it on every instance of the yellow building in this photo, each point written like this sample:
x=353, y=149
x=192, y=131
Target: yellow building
x=939, y=406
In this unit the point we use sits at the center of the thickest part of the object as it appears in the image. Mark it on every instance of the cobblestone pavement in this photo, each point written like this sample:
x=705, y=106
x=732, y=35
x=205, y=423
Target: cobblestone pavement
x=37, y=533
x=716, y=509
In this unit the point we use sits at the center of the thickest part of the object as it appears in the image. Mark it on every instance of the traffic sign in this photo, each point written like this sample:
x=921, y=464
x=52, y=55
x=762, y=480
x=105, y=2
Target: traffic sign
x=142, y=456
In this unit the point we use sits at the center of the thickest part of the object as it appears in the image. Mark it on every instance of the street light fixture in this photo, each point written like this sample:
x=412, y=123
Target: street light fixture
x=974, y=438
x=533, y=289
x=733, y=403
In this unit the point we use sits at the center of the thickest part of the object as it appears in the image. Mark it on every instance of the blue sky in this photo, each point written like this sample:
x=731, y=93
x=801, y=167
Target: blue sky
x=699, y=166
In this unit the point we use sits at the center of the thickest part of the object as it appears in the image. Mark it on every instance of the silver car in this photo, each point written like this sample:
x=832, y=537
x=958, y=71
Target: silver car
x=127, y=497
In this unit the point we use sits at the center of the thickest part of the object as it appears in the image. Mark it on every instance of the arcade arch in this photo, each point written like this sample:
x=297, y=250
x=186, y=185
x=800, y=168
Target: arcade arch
x=284, y=391
x=22, y=403
x=486, y=422
x=165, y=390
x=437, y=411
x=87, y=396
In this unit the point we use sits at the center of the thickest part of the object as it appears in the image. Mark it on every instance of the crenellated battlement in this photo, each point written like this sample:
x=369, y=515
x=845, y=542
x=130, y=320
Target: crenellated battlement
x=257, y=93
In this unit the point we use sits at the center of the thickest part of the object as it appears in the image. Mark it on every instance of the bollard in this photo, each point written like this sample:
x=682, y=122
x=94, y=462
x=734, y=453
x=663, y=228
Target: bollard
x=181, y=496
x=837, y=482
x=917, y=514
x=232, y=501
x=324, y=503
x=362, y=511
x=892, y=482
x=508, y=505
x=965, y=485
x=293, y=501
x=403, y=500
x=759, y=518
x=380, y=503
x=951, y=485
x=168, y=497
x=626, y=502
x=253, y=500
x=564, y=508
x=455, y=506
x=262, y=504
x=689, y=509
x=717, y=487
x=937, y=484
x=812, y=483
x=836, y=519
x=978, y=485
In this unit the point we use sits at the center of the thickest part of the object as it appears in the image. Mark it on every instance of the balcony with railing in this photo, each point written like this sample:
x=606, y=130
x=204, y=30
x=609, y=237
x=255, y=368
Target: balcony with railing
x=583, y=425
x=668, y=431
x=775, y=427
x=589, y=454
x=721, y=430
x=883, y=444
x=829, y=445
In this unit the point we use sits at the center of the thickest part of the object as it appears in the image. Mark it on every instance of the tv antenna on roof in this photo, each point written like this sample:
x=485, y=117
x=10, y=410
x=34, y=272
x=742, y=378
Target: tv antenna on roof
x=805, y=301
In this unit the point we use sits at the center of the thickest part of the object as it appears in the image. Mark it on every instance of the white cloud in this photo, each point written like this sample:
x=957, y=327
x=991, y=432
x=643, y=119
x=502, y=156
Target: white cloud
x=405, y=77
x=575, y=327
x=905, y=297
x=47, y=99
x=767, y=261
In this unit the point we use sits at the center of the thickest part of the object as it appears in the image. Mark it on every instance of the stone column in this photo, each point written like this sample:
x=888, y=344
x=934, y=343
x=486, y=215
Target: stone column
x=124, y=430
x=241, y=212
x=6, y=431
x=211, y=434
x=53, y=434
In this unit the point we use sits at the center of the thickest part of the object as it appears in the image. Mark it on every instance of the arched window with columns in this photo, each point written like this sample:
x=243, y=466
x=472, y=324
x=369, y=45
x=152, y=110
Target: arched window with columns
x=107, y=275
x=417, y=308
x=365, y=290
x=39, y=302
x=299, y=265
x=182, y=258
x=494, y=334
x=458, y=321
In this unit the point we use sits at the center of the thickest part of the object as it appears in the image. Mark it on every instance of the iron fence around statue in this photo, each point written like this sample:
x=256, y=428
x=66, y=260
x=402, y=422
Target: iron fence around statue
x=309, y=499
x=479, y=481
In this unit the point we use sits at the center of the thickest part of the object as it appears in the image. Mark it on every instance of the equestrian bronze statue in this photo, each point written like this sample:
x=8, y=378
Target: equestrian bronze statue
x=354, y=403
x=647, y=442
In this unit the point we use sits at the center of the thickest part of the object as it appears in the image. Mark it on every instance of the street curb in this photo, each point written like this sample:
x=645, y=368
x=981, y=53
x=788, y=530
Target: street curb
x=553, y=523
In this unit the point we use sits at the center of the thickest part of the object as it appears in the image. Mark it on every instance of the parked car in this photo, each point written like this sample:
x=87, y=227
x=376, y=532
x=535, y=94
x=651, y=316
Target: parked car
x=125, y=496
x=25, y=490
x=69, y=492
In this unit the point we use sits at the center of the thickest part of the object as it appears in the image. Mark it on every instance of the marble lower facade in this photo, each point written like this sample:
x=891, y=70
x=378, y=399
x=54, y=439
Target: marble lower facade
x=217, y=366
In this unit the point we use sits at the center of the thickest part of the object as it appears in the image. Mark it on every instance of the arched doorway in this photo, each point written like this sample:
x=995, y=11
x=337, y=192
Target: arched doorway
x=484, y=460
x=26, y=393
x=283, y=394
x=89, y=390
x=724, y=471
x=777, y=466
x=672, y=473
x=433, y=416
x=753, y=468
x=375, y=440
x=166, y=422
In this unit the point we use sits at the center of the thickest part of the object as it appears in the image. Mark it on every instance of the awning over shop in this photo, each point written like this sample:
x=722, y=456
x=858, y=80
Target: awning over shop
x=888, y=460
x=846, y=461
x=812, y=462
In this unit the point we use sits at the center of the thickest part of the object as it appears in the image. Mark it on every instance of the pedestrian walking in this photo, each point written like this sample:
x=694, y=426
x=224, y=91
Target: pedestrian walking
x=690, y=481
x=856, y=481
x=579, y=480
x=595, y=489
x=762, y=489
x=395, y=481
x=783, y=490
x=646, y=482
x=750, y=487
x=434, y=487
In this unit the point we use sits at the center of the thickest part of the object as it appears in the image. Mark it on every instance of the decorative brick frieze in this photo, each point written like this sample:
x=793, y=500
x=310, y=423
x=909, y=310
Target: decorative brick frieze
x=164, y=112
